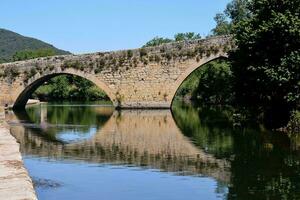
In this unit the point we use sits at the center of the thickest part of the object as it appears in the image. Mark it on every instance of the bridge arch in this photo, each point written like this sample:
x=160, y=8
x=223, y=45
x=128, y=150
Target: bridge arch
x=136, y=78
x=39, y=79
x=184, y=76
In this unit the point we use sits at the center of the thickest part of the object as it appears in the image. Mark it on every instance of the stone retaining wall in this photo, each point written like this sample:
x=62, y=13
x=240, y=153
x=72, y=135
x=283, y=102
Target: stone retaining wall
x=15, y=183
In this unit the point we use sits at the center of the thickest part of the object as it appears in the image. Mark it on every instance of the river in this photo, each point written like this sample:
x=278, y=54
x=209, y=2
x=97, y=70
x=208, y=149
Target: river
x=91, y=151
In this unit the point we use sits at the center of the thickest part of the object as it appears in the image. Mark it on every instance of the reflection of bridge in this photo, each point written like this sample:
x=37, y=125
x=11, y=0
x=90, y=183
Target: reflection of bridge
x=143, y=138
x=147, y=77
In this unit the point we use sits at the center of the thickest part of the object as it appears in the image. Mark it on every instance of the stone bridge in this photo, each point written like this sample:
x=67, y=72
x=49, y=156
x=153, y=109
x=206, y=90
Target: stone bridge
x=140, y=78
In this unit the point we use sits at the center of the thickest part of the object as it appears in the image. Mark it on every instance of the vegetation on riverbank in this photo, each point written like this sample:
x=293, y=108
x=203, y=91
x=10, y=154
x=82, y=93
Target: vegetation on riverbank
x=265, y=67
x=211, y=84
x=69, y=87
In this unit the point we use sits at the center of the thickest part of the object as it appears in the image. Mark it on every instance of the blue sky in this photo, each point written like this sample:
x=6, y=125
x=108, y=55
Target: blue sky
x=82, y=26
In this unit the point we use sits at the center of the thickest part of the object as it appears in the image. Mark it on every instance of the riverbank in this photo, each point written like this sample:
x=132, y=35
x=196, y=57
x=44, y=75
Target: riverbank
x=15, y=182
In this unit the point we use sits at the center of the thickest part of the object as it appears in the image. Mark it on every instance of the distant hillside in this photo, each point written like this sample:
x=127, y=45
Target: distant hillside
x=11, y=43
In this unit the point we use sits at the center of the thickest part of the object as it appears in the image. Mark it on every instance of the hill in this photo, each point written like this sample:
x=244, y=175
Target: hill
x=11, y=43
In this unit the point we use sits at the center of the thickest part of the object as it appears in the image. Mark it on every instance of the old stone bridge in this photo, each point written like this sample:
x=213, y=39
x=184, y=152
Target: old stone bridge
x=139, y=78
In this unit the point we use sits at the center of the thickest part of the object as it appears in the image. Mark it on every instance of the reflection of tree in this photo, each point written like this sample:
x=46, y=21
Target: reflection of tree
x=263, y=164
x=208, y=128
x=263, y=168
x=85, y=116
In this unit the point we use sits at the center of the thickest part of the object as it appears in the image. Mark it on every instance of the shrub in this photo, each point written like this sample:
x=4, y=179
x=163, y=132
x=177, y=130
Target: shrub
x=11, y=72
x=294, y=123
x=143, y=52
x=129, y=53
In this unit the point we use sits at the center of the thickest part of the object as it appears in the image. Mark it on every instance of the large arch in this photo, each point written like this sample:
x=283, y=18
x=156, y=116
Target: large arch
x=38, y=80
x=184, y=76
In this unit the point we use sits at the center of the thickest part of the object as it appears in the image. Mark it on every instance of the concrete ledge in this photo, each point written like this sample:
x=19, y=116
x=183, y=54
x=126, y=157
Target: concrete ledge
x=15, y=183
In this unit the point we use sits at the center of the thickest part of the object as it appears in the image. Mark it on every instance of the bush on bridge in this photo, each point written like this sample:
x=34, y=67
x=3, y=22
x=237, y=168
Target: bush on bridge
x=11, y=72
x=72, y=64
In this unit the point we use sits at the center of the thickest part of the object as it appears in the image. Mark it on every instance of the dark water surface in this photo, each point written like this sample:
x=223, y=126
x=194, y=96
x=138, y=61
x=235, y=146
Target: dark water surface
x=83, y=151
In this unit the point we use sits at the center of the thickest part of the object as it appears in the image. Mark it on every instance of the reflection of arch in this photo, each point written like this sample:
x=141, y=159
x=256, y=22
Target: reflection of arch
x=22, y=118
x=145, y=138
x=39, y=80
x=190, y=70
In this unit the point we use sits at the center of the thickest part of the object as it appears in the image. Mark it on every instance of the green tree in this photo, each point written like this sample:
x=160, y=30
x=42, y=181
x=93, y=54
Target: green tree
x=235, y=11
x=186, y=36
x=266, y=63
x=30, y=54
x=177, y=37
x=223, y=27
x=215, y=84
x=210, y=84
x=157, y=41
x=69, y=87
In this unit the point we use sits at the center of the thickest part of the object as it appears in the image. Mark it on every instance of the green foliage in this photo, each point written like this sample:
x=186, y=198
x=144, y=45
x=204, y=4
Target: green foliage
x=30, y=54
x=157, y=41
x=177, y=37
x=129, y=53
x=266, y=63
x=294, y=123
x=30, y=74
x=11, y=72
x=72, y=64
x=210, y=84
x=189, y=85
x=235, y=11
x=186, y=36
x=223, y=27
x=215, y=84
x=143, y=52
x=11, y=43
x=209, y=128
x=67, y=87
x=238, y=10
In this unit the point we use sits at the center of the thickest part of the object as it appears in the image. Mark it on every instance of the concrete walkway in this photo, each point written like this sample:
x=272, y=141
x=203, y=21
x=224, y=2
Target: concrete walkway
x=15, y=183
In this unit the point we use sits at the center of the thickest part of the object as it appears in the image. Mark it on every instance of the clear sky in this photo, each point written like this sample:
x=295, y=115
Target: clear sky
x=82, y=26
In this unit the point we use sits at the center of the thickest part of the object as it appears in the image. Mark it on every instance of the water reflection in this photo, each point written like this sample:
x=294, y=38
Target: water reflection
x=264, y=165
x=147, y=138
x=248, y=163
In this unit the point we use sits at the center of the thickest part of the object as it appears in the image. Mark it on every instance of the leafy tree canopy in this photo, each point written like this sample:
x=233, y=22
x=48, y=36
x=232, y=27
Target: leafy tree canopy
x=187, y=36
x=235, y=11
x=266, y=64
x=30, y=54
x=157, y=41
x=177, y=37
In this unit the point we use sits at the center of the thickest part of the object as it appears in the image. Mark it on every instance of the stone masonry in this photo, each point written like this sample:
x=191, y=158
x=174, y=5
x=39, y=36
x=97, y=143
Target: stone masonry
x=15, y=183
x=140, y=78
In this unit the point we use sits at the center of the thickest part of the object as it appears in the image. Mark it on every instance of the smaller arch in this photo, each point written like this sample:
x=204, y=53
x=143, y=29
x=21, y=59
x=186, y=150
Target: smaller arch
x=24, y=96
x=190, y=70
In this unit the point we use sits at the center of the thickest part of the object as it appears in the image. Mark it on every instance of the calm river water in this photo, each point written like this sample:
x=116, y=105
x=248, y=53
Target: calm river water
x=76, y=151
